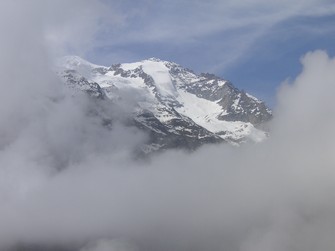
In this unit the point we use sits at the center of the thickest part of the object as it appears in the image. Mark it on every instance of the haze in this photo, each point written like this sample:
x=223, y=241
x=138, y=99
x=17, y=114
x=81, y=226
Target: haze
x=67, y=181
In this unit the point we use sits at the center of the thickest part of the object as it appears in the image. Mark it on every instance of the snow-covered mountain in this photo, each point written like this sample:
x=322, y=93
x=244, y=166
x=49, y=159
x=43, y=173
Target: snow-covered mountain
x=177, y=107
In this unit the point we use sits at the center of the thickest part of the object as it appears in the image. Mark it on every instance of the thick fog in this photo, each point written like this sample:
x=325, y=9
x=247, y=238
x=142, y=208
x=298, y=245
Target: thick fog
x=67, y=180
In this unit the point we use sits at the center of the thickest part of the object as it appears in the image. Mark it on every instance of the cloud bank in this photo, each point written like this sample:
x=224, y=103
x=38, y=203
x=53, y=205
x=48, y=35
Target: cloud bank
x=66, y=180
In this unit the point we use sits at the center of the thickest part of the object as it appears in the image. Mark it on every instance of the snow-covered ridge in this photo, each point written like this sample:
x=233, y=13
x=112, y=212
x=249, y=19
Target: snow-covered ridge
x=175, y=97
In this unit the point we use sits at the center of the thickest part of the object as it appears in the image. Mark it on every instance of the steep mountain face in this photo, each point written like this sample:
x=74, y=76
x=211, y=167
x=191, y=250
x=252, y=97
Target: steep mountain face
x=177, y=107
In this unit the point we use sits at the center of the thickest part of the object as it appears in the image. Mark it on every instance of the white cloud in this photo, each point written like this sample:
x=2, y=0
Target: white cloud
x=237, y=25
x=276, y=195
x=65, y=179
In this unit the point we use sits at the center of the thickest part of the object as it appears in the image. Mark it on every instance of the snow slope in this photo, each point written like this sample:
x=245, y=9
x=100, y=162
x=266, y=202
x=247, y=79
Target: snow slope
x=176, y=98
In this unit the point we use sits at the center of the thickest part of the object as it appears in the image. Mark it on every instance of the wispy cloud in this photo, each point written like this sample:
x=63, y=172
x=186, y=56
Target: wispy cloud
x=237, y=25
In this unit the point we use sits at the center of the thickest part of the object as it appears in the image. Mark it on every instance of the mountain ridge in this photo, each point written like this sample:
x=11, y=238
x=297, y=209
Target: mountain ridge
x=176, y=106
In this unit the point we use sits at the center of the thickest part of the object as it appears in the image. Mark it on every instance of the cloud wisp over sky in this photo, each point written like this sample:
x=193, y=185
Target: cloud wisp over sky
x=67, y=180
x=255, y=44
x=248, y=42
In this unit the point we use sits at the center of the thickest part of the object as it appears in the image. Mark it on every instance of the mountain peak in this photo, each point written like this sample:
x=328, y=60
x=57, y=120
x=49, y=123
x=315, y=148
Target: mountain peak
x=73, y=60
x=154, y=59
x=174, y=104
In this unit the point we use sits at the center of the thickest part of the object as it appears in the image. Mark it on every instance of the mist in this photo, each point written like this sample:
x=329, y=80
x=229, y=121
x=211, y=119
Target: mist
x=66, y=180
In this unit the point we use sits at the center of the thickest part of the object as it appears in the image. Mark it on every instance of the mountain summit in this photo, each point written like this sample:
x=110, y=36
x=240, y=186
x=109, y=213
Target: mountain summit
x=176, y=106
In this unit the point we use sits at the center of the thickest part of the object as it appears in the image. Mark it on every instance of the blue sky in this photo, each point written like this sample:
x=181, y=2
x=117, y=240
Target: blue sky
x=256, y=44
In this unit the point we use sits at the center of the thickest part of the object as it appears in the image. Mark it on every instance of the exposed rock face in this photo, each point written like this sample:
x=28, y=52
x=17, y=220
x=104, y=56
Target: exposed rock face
x=175, y=106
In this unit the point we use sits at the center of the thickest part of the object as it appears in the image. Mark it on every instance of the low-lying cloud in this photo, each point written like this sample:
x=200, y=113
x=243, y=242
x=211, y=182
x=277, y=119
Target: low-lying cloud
x=67, y=180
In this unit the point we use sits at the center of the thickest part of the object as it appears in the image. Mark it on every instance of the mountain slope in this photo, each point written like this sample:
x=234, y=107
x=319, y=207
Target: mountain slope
x=174, y=105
